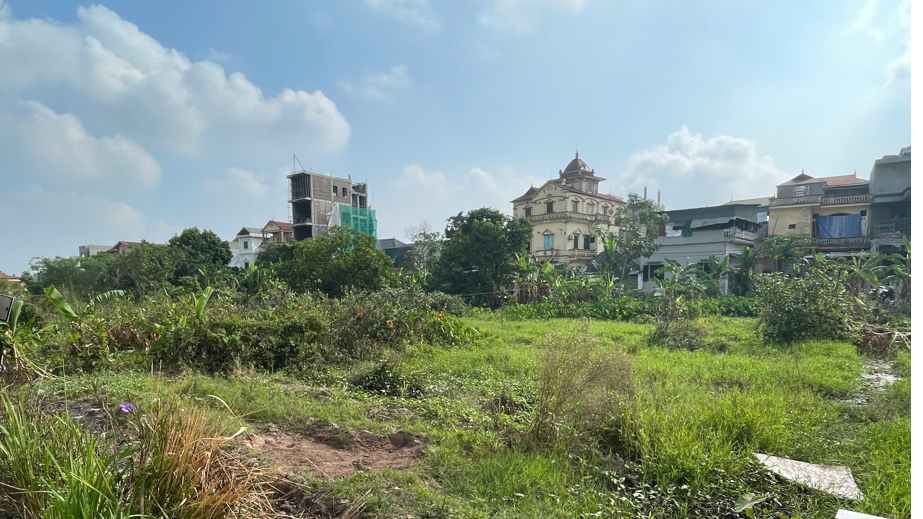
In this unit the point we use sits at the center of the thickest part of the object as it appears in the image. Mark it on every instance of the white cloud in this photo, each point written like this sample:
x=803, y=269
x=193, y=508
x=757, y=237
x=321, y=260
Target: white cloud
x=520, y=16
x=237, y=186
x=693, y=171
x=865, y=22
x=416, y=12
x=58, y=147
x=898, y=70
x=378, y=86
x=66, y=220
x=217, y=55
x=418, y=195
x=129, y=80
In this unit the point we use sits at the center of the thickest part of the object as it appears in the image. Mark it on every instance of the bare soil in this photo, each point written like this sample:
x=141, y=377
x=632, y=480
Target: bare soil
x=326, y=451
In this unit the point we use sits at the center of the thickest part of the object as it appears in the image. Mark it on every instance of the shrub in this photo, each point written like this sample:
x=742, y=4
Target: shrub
x=739, y=306
x=812, y=306
x=678, y=334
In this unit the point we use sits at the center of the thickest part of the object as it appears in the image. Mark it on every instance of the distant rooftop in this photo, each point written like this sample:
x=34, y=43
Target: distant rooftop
x=838, y=180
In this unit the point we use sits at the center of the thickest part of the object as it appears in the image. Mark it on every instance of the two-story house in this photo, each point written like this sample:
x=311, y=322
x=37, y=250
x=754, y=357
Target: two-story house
x=245, y=247
x=832, y=211
x=566, y=214
x=693, y=235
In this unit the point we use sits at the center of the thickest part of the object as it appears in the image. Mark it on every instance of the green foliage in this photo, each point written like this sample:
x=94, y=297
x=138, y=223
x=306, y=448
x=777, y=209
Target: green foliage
x=743, y=278
x=193, y=249
x=639, y=224
x=169, y=463
x=81, y=277
x=144, y=270
x=785, y=252
x=478, y=258
x=333, y=264
x=815, y=305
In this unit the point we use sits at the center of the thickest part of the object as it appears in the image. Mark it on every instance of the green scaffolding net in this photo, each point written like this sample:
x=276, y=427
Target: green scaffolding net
x=358, y=219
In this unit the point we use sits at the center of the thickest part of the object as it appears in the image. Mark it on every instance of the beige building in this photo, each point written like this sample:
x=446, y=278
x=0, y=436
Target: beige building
x=566, y=214
x=832, y=211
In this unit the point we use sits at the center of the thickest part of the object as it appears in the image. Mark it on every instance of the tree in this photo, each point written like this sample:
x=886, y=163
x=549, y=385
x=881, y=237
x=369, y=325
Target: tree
x=786, y=252
x=194, y=249
x=638, y=227
x=426, y=245
x=146, y=269
x=77, y=277
x=333, y=264
x=743, y=278
x=478, y=257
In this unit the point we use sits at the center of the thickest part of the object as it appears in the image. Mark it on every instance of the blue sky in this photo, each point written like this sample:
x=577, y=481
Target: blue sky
x=133, y=120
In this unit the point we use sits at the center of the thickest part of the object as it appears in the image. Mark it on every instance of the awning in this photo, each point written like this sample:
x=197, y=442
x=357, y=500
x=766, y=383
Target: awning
x=707, y=222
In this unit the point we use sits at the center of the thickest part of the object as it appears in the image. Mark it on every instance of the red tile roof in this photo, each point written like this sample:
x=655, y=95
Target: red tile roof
x=838, y=180
x=285, y=226
x=7, y=276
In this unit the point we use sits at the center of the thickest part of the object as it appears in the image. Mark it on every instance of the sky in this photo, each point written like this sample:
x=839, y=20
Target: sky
x=134, y=120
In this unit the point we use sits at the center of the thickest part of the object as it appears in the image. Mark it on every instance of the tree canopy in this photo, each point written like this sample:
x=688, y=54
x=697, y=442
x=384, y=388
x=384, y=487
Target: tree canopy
x=638, y=227
x=194, y=249
x=478, y=257
x=333, y=264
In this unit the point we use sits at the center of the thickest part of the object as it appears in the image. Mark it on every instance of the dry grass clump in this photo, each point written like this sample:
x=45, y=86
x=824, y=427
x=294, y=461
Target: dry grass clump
x=170, y=462
x=579, y=385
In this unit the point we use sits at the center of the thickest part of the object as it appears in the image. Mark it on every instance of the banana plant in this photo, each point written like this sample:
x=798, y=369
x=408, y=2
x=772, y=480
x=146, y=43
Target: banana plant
x=67, y=311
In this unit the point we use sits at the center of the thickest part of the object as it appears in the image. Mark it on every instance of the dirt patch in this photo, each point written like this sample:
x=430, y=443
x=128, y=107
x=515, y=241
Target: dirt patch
x=329, y=452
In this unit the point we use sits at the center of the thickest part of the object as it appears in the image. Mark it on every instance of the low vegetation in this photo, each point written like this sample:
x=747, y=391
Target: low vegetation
x=584, y=400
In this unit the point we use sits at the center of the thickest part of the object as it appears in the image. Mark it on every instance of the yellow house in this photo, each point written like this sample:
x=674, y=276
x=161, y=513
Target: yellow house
x=832, y=211
x=566, y=214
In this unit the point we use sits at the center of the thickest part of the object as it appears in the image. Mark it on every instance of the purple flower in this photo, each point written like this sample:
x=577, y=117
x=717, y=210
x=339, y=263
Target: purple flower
x=127, y=407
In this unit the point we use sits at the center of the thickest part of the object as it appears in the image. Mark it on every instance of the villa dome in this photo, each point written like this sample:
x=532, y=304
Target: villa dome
x=577, y=167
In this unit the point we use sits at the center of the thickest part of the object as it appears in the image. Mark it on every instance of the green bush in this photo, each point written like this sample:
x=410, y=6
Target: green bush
x=814, y=306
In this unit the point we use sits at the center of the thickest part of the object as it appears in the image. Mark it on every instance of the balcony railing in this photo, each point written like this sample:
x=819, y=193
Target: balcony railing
x=564, y=253
x=860, y=241
x=894, y=225
x=846, y=200
x=798, y=200
x=569, y=215
x=739, y=234
x=822, y=200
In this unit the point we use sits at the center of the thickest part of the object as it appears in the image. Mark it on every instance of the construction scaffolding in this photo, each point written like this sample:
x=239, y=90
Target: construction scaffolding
x=359, y=219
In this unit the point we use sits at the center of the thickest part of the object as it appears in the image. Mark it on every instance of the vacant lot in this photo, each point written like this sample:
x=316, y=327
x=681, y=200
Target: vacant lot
x=556, y=418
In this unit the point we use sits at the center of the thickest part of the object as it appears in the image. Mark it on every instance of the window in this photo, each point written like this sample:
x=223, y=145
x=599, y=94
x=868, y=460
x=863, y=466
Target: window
x=574, y=206
x=791, y=226
x=246, y=264
x=334, y=190
x=246, y=245
x=344, y=193
x=549, y=207
x=589, y=242
x=528, y=212
x=549, y=240
x=649, y=272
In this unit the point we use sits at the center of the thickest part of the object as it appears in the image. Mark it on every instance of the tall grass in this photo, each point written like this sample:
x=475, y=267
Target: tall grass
x=579, y=383
x=170, y=464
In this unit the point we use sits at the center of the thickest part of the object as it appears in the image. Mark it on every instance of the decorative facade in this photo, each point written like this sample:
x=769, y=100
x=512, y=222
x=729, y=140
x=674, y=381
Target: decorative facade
x=566, y=215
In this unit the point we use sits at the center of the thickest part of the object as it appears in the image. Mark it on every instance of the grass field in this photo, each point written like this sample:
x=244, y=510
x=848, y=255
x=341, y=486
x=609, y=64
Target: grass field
x=618, y=429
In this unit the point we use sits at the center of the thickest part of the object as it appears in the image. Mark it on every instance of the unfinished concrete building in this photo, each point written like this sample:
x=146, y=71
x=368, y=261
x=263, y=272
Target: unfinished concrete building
x=321, y=201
